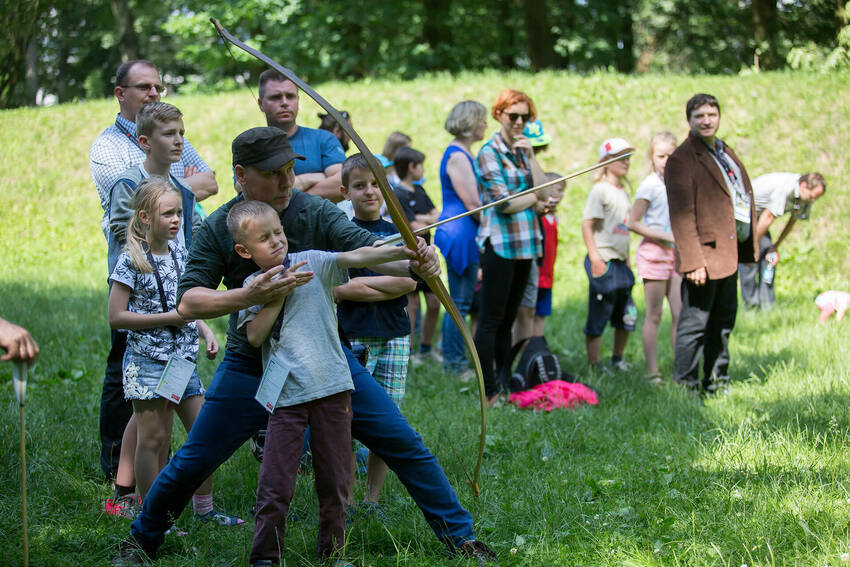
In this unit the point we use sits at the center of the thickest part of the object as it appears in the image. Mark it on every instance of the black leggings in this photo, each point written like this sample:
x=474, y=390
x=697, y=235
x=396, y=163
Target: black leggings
x=502, y=285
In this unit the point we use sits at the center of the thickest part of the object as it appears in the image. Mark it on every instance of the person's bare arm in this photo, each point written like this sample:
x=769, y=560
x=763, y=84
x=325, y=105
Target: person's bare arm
x=426, y=263
x=463, y=180
x=368, y=256
x=304, y=181
x=206, y=303
x=122, y=318
x=763, y=224
x=327, y=186
x=374, y=288
x=202, y=184
x=208, y=337
x=597, y=264
x=636, y=225
x=257, y=329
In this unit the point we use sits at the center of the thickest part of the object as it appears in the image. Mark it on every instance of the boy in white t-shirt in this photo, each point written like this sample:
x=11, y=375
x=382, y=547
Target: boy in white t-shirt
x=607, y=262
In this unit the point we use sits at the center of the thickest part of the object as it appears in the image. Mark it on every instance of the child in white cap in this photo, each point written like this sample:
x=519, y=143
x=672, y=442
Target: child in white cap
x=610, y=278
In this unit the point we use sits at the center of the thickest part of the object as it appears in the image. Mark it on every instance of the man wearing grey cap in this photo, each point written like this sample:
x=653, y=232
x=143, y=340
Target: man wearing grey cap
x=263, y=165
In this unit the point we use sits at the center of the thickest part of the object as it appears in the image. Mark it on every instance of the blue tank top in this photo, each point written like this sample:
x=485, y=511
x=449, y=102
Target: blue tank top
x=456, y=239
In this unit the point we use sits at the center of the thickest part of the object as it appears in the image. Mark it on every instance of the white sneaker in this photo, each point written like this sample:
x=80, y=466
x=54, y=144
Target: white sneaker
x=621, y=366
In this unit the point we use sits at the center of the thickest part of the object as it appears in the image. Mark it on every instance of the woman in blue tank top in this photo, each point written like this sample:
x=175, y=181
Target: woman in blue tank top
x=467, y=122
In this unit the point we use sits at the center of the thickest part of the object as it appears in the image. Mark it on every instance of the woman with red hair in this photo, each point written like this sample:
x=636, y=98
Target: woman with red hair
x=509, y=238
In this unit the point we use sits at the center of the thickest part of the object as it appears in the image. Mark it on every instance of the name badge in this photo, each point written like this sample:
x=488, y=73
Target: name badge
x=175, y=378
x=271, y=384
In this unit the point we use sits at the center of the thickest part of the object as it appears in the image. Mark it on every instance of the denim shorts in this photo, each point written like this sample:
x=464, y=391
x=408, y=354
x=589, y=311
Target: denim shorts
x=610, y=298
x=142, y=374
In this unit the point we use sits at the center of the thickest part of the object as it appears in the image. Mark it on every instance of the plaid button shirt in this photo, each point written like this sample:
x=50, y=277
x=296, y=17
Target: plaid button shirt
x=117, y=149
x=501, y=173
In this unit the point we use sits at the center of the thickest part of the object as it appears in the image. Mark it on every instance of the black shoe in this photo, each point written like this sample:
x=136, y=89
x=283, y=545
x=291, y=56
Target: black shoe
x=477, y=550
x=130, y=552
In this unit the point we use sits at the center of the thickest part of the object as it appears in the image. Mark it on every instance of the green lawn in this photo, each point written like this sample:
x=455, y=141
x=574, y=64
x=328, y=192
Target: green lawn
x=758, y=476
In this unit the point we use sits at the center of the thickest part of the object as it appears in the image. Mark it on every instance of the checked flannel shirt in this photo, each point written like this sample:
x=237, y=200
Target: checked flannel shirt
x=502, y=172
x=117, y=149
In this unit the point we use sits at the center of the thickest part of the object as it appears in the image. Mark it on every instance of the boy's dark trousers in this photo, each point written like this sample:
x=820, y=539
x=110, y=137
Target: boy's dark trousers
x=115, y=411
x=329, y=419
x=705, y=323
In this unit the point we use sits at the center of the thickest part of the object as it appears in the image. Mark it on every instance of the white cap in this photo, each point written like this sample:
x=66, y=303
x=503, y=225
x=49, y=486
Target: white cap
x=613, y=147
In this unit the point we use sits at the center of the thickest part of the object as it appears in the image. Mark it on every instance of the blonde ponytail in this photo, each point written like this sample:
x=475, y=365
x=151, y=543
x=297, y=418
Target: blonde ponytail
x=146, y=198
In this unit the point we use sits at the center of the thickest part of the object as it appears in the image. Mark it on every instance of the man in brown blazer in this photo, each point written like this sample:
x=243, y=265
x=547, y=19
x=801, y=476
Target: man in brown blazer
x=712, y=216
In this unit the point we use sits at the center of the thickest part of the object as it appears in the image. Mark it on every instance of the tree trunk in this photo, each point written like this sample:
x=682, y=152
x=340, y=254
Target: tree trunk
x=764, y=31
x=437, y=33
x=505, y=14
x=128, y=41
x=625, y=40
x=538, y=35
x=17, y=28
x=31, y=73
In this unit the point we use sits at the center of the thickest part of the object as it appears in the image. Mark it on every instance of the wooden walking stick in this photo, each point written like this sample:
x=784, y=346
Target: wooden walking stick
x=19, y=380
x=424, y=229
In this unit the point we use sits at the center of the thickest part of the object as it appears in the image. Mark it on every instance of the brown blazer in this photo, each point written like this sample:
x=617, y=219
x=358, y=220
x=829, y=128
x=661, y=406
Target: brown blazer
x=701, y=212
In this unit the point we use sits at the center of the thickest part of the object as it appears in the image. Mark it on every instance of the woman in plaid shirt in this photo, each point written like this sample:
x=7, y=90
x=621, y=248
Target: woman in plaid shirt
x=509, y=236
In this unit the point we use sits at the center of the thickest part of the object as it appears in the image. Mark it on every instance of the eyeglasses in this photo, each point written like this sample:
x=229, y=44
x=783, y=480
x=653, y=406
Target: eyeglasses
x=146, y=87
x=512, y=116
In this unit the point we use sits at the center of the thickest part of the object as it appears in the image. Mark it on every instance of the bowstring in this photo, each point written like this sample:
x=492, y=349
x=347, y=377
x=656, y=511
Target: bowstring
x=236, y=61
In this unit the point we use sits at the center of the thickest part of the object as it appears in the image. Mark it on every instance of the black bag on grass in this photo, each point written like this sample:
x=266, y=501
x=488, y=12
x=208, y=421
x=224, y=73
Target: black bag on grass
x=536, y=365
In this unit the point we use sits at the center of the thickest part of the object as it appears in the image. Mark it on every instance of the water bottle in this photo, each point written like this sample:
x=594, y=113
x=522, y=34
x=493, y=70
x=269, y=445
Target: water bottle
x=768, y=272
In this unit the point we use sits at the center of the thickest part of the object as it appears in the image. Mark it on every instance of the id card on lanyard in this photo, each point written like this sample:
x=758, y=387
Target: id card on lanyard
x=271, y=384
x=178, y=371
x=276, y=372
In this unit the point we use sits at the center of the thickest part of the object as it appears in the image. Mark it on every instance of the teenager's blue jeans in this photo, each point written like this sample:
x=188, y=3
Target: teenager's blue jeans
x=230, y=415
x=462, y=290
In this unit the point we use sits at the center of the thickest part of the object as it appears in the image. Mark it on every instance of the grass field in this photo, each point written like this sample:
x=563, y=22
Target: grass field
x=758, y=476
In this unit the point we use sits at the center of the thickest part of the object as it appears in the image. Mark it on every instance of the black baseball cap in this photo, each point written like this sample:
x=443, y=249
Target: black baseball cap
x=263, y=147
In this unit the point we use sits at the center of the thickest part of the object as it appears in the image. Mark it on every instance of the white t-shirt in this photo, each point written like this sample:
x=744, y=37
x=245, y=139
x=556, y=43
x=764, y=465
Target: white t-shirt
x=779, y=194
x=611, y=204
x=653, y=190
x=309, y=337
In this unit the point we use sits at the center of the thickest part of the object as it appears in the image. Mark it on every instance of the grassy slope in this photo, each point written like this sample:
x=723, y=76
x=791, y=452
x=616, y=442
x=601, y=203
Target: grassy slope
x=648, y=478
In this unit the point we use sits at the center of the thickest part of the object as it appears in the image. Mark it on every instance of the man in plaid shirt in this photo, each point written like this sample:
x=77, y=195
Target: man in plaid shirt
x=112, y=153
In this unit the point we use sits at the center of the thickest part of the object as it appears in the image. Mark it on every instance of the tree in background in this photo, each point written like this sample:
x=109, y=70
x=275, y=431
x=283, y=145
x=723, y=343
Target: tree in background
x=70, y=48
x=19, y=22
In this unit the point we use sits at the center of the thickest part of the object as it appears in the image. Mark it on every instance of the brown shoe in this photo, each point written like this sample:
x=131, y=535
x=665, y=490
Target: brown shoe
x=479, y=551
x=130, y=552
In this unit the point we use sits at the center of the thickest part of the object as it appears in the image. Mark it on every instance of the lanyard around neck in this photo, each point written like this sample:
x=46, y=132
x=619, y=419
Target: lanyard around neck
x=127, y=133
x=162, y=298
x=721, y=158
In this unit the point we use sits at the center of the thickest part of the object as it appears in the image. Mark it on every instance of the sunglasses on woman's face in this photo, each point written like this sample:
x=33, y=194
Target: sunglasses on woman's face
x=512, y=116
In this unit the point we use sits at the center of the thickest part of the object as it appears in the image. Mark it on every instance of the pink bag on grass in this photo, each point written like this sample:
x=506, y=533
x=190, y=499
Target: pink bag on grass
x=554, y=394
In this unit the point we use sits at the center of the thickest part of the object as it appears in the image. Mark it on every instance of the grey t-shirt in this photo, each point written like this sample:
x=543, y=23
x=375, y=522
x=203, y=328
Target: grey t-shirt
x=308, y=344
x=309, y=222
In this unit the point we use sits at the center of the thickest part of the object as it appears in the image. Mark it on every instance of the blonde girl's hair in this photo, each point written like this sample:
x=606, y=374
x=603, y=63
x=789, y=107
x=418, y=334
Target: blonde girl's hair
x=146, y=198
x=658, y=138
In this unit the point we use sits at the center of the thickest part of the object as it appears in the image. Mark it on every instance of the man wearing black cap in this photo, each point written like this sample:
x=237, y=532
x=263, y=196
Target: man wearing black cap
x=263, y=162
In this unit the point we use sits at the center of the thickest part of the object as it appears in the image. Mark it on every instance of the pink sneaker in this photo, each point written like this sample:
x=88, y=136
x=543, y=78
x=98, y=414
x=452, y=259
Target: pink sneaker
x=127, y=506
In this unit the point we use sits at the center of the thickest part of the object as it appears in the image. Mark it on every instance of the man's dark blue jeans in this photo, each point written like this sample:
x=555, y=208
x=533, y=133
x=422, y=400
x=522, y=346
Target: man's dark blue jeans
x=230, y=415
